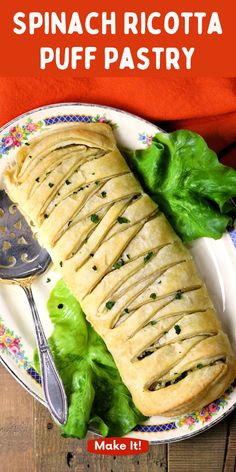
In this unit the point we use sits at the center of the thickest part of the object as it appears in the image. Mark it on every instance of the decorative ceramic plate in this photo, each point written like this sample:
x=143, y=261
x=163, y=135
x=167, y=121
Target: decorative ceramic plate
x=216, y=261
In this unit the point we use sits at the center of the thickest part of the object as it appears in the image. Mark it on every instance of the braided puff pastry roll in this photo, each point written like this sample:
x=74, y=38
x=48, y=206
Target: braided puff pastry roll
x=133, y=277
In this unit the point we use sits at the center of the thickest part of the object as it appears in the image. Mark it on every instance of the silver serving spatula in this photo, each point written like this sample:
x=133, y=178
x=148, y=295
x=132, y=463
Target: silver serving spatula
x=21, y=260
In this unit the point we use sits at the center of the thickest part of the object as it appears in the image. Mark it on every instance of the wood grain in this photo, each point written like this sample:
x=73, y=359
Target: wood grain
x=30, y=442
x=230, y=450
x=206, y=450
x=16, y=426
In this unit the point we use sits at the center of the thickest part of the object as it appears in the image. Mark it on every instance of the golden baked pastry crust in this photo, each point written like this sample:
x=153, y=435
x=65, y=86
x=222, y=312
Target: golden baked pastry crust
x=135, y=280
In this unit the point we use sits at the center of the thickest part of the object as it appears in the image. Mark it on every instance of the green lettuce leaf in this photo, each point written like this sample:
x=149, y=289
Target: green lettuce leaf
x=96, y=395
x=185, y=178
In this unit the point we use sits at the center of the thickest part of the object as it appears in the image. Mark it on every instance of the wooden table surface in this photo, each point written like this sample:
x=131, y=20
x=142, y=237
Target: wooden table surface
x=29, y=442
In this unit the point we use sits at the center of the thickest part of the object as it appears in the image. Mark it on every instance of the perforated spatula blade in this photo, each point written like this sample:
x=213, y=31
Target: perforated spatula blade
x=21, y=254
x=21, y=260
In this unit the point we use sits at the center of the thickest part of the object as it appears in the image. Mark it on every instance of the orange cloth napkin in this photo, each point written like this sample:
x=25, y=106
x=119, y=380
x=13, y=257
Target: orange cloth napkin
x=204, y=105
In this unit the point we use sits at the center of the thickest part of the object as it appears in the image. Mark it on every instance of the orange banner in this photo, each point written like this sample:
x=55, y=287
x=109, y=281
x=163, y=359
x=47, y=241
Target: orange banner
x=132, y=38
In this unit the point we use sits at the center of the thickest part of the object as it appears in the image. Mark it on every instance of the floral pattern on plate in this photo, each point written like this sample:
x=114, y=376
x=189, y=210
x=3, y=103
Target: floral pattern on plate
x=12, y=345
x=145, y=138
x=205, y=414
x=103, y=119
x=18, y=135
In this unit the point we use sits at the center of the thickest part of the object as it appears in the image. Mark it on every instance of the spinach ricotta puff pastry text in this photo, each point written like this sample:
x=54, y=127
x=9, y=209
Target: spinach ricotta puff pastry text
x=133, y=277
